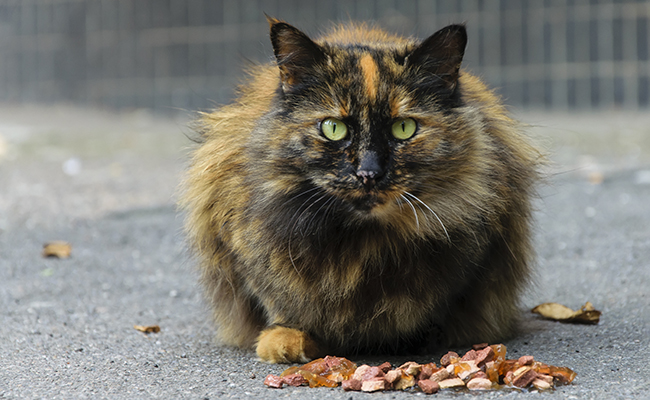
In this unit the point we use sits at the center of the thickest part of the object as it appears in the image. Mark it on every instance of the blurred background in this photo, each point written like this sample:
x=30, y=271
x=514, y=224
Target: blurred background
x=174, y=56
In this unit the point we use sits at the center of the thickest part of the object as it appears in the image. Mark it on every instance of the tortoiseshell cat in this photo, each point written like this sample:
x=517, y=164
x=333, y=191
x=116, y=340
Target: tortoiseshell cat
x=362, y=194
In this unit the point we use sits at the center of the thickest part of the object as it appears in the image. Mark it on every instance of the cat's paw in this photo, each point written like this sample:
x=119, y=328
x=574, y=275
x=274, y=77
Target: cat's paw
x=285, y=345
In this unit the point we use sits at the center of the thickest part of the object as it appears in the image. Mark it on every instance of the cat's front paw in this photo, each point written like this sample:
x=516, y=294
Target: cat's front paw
x=285, y=345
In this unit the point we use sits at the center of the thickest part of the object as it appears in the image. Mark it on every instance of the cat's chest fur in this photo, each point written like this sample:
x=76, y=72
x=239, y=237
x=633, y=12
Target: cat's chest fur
x=344, y=284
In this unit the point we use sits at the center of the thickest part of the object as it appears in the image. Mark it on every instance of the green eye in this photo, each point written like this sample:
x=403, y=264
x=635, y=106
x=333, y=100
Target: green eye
x=333, y=129
x=404, y=128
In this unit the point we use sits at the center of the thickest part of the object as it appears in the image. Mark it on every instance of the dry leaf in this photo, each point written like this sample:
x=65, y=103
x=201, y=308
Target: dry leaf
x=59, y=249
x=585, y=315
x=147, y=328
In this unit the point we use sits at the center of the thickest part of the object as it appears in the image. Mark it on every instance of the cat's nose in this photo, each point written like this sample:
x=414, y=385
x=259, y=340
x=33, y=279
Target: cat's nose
x=368, y=178
x=370, y=170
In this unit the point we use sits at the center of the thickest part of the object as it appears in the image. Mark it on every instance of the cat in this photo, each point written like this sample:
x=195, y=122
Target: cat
x=362, y=194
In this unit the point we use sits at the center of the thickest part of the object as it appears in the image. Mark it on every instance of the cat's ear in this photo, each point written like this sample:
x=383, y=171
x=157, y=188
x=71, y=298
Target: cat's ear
x=295, y=52
x=441, y=54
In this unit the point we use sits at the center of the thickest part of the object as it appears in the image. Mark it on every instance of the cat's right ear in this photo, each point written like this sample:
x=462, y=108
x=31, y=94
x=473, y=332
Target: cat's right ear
x=295, y=52
x=441, y=54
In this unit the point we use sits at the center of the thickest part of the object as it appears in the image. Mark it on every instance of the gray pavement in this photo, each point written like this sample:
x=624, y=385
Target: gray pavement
x=106, y=183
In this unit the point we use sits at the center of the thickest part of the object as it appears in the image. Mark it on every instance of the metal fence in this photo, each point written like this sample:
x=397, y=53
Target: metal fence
x=188, y=54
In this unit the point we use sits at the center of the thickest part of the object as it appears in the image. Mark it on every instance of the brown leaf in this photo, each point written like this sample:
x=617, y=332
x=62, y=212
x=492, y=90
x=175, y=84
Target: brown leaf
x=587, y=314
x=147, y=328
x=58, y=249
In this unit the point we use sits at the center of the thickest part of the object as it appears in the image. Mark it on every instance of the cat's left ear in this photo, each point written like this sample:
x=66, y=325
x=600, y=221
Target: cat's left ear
x=295, y=52
x=441, y=54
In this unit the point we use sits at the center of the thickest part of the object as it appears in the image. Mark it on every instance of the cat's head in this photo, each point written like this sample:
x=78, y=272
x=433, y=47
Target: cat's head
x=368, y=117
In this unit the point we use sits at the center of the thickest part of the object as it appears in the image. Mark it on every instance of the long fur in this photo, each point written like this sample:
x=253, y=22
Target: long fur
x=287, y=236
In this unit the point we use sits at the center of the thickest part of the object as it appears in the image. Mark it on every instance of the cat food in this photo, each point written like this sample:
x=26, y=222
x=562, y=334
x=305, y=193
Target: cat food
x=482, y=368
x=374, y=384
x=479, y=384
x=327, y=372
x=439, y=375
x=451, y=383
x=351, y=384
x=428, y=386
x=274, y=381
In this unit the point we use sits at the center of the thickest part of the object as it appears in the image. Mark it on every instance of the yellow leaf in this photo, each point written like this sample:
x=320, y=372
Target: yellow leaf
x=57, y=249
x=147, y=328
x=587, y=314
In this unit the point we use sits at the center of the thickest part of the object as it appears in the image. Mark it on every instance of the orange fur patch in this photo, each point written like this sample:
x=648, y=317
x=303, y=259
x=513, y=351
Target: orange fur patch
x=370, y=74
x=285, y=345
x=343, y=108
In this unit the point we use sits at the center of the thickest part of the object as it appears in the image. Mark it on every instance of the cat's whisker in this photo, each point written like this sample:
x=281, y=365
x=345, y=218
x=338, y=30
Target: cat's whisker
x=308, y=226
x=415, y=213
x=432, y=212
x=329, y=206
x=399, y=204
x=296, y=218
x=291, y=258
x=300, y=194
x=471, y=203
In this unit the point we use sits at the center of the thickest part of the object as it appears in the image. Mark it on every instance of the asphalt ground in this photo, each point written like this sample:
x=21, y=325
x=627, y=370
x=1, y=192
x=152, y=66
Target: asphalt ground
x=106, y=183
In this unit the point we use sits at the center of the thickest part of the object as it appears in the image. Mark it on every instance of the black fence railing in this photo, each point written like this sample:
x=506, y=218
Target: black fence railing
x=188, y=54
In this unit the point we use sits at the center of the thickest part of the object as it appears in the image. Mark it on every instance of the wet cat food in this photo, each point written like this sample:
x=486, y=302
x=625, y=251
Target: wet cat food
x=484, y=369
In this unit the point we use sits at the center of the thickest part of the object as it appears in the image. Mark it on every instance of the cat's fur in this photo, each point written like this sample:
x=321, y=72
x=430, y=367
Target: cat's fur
x=370, y=243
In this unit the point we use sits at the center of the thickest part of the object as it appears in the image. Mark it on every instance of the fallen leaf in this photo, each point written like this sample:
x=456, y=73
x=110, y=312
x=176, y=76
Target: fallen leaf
x=147, y=328
x=587, y=314
x=58, y=249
